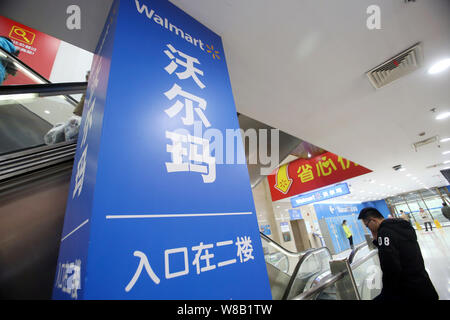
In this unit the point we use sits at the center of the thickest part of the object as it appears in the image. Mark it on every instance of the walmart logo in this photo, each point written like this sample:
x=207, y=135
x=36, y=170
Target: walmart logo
x=215, y=53
x=165, y=23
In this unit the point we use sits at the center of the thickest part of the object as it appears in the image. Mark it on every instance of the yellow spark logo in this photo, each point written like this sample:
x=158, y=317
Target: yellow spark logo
x=215, y=53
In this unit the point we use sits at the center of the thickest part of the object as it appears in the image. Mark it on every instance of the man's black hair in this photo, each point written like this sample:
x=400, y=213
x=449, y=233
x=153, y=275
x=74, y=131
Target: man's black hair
x=370, y=213
x=344, y=221
x=444, y=204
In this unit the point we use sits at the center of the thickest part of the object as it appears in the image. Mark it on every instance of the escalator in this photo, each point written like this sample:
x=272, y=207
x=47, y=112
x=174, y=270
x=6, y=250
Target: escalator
x=34, y=181
x=292, y=273
x=314, y=275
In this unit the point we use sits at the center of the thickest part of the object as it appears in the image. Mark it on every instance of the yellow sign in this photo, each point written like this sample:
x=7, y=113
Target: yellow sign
x=437, y=223
x=283, y=182
x=22, y=35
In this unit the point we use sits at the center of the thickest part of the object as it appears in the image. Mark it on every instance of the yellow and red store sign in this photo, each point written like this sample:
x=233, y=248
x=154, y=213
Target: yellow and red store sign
x=303, y=175
x=37, y=49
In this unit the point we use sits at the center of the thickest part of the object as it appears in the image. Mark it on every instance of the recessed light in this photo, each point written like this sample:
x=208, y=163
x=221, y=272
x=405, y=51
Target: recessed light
x=446, y=152
x=402, y=169
x=47, y=112
x=443, y=116
x=445, y=140
x=439, y=66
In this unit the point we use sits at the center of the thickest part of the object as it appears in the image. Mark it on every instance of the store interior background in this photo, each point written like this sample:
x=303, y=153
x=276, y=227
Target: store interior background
x=402, y=125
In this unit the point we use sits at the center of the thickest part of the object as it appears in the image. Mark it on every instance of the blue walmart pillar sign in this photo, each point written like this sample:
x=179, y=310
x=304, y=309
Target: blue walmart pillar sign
x=145, y=216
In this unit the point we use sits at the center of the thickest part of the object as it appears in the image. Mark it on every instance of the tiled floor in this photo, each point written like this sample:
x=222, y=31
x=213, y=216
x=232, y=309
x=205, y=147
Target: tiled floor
x=435, y=247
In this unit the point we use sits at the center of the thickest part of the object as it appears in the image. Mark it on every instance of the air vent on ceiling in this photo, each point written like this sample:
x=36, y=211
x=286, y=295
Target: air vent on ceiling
x=422, y=143
x=446, y=174
x=397, y=67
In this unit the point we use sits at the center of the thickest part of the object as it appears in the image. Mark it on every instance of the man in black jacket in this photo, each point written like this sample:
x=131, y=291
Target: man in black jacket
x=401, y=261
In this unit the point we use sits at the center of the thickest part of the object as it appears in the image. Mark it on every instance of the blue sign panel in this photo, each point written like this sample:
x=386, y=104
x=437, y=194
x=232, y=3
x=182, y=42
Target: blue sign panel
x=336, y=190
x=334, y=215
x=148, y=186
x=295, y=214
x=265, y=229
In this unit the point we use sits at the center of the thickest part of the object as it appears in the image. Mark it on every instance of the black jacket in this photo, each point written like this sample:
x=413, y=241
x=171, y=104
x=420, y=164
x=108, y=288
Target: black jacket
x=404, y=274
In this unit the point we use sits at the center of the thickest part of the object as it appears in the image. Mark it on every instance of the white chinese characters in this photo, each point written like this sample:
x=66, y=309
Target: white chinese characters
x=189, y=153
x=183, y=145
x=204, y=259
x=69, y=278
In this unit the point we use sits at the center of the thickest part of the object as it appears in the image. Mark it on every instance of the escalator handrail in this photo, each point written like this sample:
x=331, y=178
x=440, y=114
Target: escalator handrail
x=45, y=89
x=42, y=79
x=287, y=252
x=333, y=279
x=297, y=268
x=355, y=250
x=280, y=248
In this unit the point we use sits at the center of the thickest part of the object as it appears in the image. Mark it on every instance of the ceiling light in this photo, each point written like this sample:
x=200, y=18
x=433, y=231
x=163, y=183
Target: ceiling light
x=443, y=115
x=439, y=66
x=448, y=161
x=19, y=96
x=445, y=140
x=47, y=112
x=446, y=152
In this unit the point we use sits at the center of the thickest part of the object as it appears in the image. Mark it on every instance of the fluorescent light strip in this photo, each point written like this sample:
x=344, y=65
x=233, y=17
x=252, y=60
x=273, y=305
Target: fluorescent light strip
x=21, y=96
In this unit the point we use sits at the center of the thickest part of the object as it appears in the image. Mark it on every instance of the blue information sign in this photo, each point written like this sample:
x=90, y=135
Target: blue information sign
x=295, y=214
x=145, y=217
x=336, y=190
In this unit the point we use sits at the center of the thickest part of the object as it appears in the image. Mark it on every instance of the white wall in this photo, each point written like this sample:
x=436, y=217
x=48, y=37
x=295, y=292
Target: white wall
x=71, y=64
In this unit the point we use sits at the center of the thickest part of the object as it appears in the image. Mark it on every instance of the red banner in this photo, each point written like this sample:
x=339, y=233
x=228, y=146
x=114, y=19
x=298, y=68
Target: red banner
x=37, y=50
x=303, y=175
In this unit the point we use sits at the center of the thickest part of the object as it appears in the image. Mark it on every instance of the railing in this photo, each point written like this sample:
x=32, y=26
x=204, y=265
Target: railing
x=30, y=72
x=282, y=249
x=34, y=157
x=334, y=278
x=307, y=264
x=355, y=251
x=297, y=268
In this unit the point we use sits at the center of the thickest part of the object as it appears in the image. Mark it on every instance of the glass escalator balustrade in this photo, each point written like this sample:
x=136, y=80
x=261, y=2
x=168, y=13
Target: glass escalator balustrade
x=28, y=121
x=291, y=273
x=33, y=119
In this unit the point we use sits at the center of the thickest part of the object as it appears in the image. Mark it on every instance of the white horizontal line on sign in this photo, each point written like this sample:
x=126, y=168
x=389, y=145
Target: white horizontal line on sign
x=145, y=216
x=84, y=222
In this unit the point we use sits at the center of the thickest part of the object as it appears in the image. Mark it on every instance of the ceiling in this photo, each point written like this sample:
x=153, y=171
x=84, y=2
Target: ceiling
x=300, y=66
